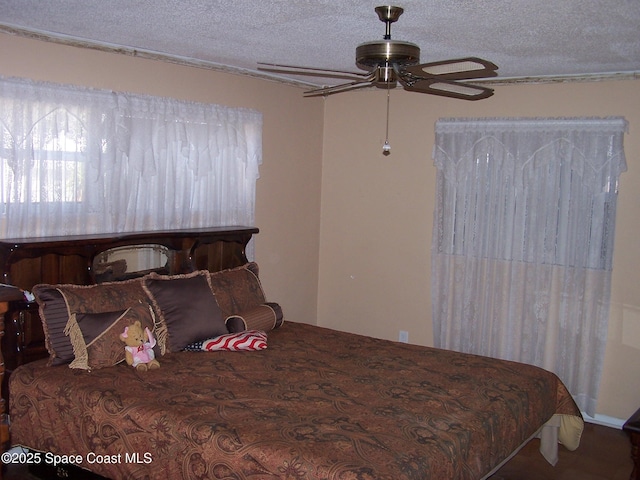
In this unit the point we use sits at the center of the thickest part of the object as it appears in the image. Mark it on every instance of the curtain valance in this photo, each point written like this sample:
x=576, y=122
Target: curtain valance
x=566, y=166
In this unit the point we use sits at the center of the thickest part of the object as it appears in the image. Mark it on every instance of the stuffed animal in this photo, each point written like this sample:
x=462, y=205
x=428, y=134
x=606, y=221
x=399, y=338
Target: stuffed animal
x=139, y=347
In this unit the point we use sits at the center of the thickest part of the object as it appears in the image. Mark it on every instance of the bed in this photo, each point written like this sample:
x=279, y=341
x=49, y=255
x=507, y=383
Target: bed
x=307, y=403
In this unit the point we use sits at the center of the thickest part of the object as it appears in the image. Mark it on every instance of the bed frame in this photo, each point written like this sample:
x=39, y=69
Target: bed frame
x=25, y=262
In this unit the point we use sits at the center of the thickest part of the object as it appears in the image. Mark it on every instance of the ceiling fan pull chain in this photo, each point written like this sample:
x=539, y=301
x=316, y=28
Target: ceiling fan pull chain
x=386, y=148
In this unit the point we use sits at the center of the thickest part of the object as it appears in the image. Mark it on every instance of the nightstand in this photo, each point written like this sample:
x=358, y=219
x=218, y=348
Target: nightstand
x=632, y=427
x=7, y=293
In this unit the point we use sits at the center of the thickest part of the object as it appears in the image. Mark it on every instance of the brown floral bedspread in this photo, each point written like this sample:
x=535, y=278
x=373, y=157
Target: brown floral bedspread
x=316, y=404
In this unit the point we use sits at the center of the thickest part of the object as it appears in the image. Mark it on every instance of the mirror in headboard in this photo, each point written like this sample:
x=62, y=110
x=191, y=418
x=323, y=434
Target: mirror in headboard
x=122, y=263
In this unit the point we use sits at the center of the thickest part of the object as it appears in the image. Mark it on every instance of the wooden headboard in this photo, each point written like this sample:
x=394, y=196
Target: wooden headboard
x=25, y=262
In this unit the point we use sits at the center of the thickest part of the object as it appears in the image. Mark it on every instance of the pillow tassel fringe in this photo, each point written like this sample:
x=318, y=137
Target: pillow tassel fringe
x=72, y=330
x=161, y=332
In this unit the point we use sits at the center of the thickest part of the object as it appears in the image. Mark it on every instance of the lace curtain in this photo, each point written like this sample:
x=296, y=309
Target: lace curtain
x=77, y=161
x=523, y=242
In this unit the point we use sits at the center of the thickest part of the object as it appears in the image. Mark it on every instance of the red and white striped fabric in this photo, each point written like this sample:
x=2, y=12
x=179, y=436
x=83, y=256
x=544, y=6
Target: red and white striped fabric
x=247, y=340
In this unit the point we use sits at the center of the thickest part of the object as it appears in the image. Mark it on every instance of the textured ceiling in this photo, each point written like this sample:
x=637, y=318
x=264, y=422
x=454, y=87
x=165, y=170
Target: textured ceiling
x=525, y=38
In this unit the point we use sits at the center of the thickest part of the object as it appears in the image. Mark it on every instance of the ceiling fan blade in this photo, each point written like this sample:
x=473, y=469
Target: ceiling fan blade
x=458, y=69
x=447, y=88
x=309, y=71
x=317, y=92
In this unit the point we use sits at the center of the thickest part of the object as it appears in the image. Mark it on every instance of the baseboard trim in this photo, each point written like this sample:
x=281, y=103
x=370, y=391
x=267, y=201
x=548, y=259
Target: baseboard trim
x=604, y=420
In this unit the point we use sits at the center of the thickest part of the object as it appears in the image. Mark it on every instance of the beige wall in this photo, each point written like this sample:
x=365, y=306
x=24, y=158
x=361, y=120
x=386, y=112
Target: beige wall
x=377, y=214
x=346, y=232
x=288, y=191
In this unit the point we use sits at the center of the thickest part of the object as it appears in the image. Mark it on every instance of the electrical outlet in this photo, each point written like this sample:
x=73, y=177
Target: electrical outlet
x=403, y=336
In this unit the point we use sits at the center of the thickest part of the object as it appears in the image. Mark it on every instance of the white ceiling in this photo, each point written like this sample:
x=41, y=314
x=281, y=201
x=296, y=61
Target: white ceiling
x=525, y=38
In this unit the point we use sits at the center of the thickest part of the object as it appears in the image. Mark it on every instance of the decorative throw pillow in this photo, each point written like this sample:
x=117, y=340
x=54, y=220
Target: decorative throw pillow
x=56, y=303
x=186, y=309
x=235, y=342
x=103, y=297
x=237, y=289
x=54, y=316
x=96, y=336
x=264, y=317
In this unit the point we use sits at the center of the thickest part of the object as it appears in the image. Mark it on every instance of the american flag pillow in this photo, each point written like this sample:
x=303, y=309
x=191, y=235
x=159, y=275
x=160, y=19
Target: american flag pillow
x=246, y=340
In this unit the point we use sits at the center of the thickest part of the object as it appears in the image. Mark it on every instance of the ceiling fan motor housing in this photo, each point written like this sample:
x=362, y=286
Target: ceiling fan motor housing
x=386, y=52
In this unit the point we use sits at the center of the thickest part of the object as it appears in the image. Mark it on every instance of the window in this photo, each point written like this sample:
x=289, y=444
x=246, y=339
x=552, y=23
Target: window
x=56, y=166
x=523, y=242
x=80, y=161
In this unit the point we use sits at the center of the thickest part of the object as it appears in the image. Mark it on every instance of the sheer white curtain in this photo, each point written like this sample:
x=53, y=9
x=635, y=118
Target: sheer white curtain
x=523, y=241
x=77, y=160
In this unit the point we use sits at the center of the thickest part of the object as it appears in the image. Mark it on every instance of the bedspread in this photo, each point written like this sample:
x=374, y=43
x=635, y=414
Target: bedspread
x=316, y=404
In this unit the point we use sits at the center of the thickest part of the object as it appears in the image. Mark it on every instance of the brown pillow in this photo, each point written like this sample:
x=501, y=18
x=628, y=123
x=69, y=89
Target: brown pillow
x=186, y=309
x=96, y=336
x=54, y=316
x=56, y=303
x=103, y=297
x=237, y=289
x=264, y=317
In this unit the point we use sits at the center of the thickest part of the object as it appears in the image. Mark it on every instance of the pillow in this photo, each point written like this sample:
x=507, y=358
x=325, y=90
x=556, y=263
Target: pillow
x=237, y=289
x=186, y=309
x=96, y=336
x=103, y=297
x=54, y=317
x=56, y=303
x=235, y=342
x=264, y=317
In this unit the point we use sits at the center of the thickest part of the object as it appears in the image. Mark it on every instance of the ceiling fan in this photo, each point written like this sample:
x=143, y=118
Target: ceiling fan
x=389, y=62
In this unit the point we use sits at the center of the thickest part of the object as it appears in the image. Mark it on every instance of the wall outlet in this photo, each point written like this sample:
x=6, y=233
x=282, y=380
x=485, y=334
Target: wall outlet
x=403, y=336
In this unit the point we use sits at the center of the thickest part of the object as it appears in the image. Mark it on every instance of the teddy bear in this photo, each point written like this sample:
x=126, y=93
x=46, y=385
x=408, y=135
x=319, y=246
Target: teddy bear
x=138, y=352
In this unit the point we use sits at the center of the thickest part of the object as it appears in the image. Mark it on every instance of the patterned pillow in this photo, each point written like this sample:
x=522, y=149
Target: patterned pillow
x=237, y=289
x=96, y=336
x=57, y=303
x=235, y=342
x=264, y=317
